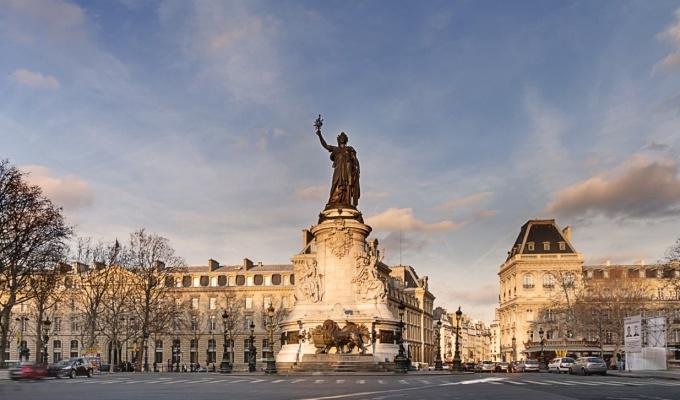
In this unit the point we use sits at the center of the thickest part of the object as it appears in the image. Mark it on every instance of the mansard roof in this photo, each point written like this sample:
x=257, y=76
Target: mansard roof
x=539, y=231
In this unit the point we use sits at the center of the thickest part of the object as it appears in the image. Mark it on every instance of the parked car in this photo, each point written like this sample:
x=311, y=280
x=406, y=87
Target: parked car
x=469, y=366
x=27, y=370
x=502, y=366
x=588, y=366
x=73, y=367
x=560, y=364
x=485, y=366
x=528, y=366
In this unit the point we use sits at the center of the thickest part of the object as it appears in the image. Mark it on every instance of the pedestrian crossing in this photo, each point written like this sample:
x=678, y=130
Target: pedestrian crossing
x=367, y=380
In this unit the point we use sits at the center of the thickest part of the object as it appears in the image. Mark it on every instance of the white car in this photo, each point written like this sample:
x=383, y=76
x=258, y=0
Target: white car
x=560, y=364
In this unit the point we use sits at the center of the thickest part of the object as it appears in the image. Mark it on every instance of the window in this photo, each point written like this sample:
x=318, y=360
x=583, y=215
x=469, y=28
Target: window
x=74, y=348
x=240, y=280
x=211, y=323
x=528, y=281
x=546, y=246
x=291, y=279
x=193, y=354
x=246, y=350
x=212, y=351
x=247, y=321
x=205, y=281
x=176, y=344
x=548, y=281
x=258, y=280
x=276, y=279
x=194, y=323
x=661, y=294
x=563, y=246
x=212, y=304
x=530, y=246
x=598, y=274
x=158, y=355
x=56, y=324
x=56, y=351
x=266, y=351
x=568, y=279
x=267, y=302
x=74, y=325
x=530, y=315
x=169, y=281
x=194, y=303
x=284, y=302
x=633, y=273
x=249, y=303
x=222, y=280
x=650, y=273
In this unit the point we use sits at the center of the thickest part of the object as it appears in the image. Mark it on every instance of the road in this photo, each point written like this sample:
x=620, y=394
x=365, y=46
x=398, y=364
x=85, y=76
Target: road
x=331, y=387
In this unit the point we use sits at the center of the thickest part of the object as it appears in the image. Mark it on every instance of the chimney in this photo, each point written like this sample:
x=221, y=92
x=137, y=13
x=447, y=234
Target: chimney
x=247, y=264
x=213, y=265
x=159, y=265
x=567, y=232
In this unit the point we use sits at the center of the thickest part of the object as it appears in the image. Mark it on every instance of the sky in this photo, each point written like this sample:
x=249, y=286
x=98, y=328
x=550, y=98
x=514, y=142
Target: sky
x=194, y=119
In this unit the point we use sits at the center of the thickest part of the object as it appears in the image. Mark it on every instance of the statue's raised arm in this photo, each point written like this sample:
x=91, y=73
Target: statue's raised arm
x=318, y=124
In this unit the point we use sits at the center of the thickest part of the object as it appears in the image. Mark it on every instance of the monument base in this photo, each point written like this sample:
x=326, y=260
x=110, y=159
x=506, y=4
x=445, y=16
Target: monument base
x=315, y=363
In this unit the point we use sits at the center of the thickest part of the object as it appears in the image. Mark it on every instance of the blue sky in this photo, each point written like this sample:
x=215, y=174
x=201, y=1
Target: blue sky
x=194, y=120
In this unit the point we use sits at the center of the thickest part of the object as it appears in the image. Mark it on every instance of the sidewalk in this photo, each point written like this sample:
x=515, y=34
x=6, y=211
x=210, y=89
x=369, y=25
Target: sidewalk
x=667, y=374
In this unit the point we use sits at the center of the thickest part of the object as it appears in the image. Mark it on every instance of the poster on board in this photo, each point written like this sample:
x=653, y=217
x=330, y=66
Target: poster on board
x=632, y=334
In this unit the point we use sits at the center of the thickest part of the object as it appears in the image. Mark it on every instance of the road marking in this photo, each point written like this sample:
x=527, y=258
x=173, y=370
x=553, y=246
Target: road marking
x=403, y=382
x=131, y=382
x=425, y=382
x=278, y=381
x=471, y=381
x=380, y=381
x=172, y=382
x=319, y=381
x=361, y=381
x=628, y=383
x=514, y=382
x=538, y=383
x=297, y=380
x=255, y=381
x=244, y=380
x=339, y=381
x=582, y=383
x=494, y=383
x=560, y=383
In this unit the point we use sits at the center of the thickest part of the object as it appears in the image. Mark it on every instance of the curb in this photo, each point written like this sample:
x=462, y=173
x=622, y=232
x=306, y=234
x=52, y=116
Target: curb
x=641, y=376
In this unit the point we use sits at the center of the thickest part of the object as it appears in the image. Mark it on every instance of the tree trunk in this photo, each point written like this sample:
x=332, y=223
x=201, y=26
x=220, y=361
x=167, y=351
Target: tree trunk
x=4, y=332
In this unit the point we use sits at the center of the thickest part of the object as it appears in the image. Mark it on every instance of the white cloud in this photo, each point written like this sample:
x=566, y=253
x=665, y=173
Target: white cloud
x=639, y=188
x=402, y=219
x=312, y=192
x=671, y=34
x=466, y=201
x=70, y=191
x=34, y=79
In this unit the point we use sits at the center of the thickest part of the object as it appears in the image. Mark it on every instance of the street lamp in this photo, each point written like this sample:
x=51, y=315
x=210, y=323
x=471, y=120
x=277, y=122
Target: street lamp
x=225, y=366
x=401, y=361
x=23, y=348
x=540, y=334
x=438, y=356
x=251, y=349
x=457, y=367
x=271, y=362
x=46, y=337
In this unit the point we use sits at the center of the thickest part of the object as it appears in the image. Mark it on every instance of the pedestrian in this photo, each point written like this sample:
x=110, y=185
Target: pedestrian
x=169, y=365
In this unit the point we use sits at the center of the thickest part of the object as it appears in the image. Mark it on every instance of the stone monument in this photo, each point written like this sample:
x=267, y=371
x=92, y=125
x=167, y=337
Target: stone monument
x=341, y=317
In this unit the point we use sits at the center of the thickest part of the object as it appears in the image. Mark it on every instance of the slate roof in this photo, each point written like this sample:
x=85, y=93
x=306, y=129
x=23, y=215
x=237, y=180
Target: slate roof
x=539, y=231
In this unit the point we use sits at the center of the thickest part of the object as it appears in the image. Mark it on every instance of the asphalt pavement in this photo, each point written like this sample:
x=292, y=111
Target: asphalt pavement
x=326, y=387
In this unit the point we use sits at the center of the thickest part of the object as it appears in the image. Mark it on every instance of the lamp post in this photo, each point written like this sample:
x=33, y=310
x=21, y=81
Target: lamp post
x=225, y=366
x=271, y=362
x=23, y=349
x=251, y=349
x=438, y=356
x=175, y=353
x=400, y=360
x=540, y=334
x=456, y=355
x=46, y=337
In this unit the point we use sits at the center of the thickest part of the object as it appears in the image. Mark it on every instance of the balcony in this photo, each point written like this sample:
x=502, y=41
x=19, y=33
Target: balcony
x=528, y=286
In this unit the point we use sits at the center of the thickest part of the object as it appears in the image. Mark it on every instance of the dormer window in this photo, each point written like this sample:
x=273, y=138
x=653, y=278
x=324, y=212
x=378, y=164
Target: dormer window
x=546, y=246
x=563, y=246
x=530, y=246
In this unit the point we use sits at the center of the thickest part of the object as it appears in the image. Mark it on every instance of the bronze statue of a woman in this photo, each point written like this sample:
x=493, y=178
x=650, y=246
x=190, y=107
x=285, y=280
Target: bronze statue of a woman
x=345, y=185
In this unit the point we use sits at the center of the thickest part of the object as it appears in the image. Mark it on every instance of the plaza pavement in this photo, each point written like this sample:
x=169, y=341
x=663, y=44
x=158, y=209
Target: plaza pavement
x=187, y=386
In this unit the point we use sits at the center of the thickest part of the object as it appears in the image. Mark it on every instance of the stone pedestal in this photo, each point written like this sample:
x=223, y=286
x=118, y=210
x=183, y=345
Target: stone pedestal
x=338, y=279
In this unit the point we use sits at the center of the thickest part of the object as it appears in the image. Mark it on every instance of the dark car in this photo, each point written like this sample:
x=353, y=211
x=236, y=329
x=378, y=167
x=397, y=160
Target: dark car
x=71, y=368
x=469, y=366
x=27, y=370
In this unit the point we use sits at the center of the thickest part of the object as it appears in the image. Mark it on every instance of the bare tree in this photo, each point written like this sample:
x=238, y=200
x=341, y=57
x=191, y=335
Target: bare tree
x=93, y=280
x=46, y=292
x=33, y=233
x=153, y=260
